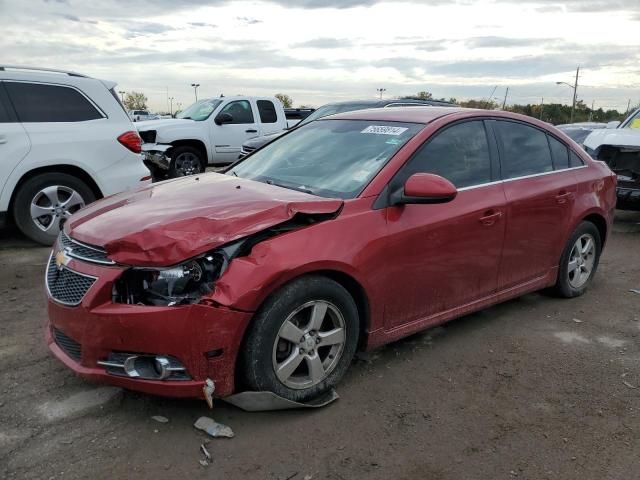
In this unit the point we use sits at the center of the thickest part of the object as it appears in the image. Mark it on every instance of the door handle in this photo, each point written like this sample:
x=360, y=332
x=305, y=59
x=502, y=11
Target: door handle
x=490, y=217
x=3, y=139
x=251, y=131
x=562, y=197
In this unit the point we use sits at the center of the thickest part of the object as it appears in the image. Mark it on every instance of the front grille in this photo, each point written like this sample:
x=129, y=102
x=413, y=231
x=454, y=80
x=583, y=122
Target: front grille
x=148, y=136
x=82, y=251
x=66, y=286
x=67, y=344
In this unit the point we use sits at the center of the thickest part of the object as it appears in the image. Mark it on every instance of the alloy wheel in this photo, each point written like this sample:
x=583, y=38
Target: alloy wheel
x=187, y=163
x=582, y=260
x=309, y=344
x=52, y=204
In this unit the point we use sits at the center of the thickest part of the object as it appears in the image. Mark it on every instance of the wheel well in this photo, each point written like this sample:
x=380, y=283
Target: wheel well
x=68, y=169
x=600, y=223
x=197, y=144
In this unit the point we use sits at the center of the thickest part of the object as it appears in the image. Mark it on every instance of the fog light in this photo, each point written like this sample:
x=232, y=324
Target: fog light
x=145, y=367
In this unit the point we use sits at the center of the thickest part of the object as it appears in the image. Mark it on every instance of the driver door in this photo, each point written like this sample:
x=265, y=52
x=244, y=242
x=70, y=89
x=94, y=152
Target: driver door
x=229, y=137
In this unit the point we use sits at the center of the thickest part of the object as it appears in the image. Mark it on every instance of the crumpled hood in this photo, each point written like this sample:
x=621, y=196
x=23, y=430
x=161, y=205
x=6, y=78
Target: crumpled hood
x=162, y=123
x=621, y=137
x=167, y=223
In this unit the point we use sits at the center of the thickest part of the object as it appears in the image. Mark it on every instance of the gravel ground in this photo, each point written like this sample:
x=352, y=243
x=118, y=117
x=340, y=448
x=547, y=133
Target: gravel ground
x=536, y=388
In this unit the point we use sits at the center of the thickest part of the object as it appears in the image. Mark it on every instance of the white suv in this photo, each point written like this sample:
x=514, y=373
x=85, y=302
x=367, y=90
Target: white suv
x=65, y=140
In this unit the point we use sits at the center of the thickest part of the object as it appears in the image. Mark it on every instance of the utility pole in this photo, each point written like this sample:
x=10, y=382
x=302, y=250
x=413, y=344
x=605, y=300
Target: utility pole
x=171, y=106
x=504, y=103
x=628, y=107
x=541, y=107
x=195, y=89
x=591, y=112
x=381, y=91
x=575, y=94
x=122, y=92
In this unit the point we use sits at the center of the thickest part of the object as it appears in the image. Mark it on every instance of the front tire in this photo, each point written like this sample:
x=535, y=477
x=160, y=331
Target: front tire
x=579, y=261
x=186, y=161
x=46, y=199
x=302, y=340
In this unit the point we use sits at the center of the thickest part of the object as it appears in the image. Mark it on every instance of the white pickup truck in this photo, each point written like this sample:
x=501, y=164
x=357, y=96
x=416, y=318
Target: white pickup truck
x=210, y=131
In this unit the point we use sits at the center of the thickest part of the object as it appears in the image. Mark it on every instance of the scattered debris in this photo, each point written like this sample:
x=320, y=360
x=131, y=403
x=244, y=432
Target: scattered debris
x=213, y=428
x=635, y=290
x=577, y=320
x=204, y=450
x=208, y=388
x=160, y=419
x=204, y=463
x=627, y=384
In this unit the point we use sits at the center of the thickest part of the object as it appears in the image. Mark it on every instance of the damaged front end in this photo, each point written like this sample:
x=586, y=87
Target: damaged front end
x=155, y=156
x=624, y=161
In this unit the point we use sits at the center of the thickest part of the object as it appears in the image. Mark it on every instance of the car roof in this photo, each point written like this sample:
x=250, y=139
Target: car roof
x=400, y=114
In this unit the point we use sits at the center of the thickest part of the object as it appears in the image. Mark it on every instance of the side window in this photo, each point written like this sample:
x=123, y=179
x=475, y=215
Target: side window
x=50, y=103
x=460, y=154
x=4, y=114
x=240, y=110
x=575, y=160
x=559, y=152
x=267, y=111
x=525, y=150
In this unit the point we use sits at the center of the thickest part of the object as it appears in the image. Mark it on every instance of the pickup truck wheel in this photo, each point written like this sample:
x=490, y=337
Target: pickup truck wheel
x=185, y=161
x=44, y=200
x=302, y=340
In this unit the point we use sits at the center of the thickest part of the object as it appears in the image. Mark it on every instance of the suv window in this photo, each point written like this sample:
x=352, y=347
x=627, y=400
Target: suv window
x=267, y=111
x=525, y=150
x=35, y=102
x=240, y=110
x=460, y=154
x=559, y=152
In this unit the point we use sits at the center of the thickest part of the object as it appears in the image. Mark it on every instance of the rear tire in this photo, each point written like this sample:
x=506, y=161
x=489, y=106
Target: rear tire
x=56, y=196
x=579, y=261
x=186, y=161
x=302, y=340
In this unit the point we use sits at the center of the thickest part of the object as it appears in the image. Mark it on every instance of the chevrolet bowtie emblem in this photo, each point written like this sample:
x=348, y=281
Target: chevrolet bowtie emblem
x=61, y=259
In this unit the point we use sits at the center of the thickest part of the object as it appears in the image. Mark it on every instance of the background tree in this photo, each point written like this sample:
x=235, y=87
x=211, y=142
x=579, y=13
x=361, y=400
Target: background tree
x=285, y=99
x=424, y=95
x=135, y=101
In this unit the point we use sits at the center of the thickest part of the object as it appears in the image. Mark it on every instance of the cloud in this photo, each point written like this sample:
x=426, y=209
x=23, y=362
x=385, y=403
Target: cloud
x=248, y=20
x=202, y=24
x=506, y=42
x=140, y=29
x=324, y=43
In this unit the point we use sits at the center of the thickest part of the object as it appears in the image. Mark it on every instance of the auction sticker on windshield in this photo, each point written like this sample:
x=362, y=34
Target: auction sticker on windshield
x=384, y=130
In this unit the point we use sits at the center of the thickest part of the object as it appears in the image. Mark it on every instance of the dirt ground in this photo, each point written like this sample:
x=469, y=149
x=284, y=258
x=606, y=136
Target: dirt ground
x=536, y=388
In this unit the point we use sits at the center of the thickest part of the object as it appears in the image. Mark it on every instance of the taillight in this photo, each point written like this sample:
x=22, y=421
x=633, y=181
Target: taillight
x=132, y=141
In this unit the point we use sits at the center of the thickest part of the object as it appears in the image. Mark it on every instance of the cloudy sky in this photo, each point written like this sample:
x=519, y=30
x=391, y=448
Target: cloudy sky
x=319, y=51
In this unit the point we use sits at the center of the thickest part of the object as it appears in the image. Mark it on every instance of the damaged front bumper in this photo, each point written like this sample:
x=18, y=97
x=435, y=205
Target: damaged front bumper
x=167, y=351
x=155, y=155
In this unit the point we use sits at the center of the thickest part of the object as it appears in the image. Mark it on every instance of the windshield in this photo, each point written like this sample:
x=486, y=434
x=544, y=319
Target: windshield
x=333, y=108
x=199, y=111
x=634, y=121
x=329, y=158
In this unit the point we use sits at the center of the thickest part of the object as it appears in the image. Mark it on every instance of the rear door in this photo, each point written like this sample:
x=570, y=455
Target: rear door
x=14, y=141
x=229, y=137
x=443, y=256
x=540, y=190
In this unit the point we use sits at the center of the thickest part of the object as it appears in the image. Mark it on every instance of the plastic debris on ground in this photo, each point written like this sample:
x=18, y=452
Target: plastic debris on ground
x=213, y=428
x=266, y=401
x=160, y=419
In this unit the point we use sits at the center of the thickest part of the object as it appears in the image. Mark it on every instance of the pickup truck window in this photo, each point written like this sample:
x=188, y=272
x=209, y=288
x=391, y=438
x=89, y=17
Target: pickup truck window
x=267, y=111
x=240, y=110
x=199, y=111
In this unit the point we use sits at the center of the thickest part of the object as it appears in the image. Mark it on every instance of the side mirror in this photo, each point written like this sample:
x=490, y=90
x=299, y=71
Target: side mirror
x=612, y=125
x=425, y=188
x=223, y=118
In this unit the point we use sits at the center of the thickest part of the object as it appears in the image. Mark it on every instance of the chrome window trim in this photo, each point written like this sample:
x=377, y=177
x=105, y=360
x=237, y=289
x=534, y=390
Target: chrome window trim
x=471, y=187
x=46, y=282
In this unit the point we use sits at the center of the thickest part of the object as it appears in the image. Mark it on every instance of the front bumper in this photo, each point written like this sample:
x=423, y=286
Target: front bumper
x=205, y=339
x=155, y=155
x=628, y=198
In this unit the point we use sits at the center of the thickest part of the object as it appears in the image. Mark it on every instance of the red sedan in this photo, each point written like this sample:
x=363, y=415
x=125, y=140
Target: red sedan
x=345, y=234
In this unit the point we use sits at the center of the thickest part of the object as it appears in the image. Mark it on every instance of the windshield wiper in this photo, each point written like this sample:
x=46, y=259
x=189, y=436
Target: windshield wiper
x=290, y=187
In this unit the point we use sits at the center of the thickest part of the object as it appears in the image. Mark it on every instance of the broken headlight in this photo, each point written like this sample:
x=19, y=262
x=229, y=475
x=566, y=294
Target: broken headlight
x=178, y=285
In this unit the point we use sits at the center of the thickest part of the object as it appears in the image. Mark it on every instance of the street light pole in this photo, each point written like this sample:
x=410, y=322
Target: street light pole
x=381, y=91
x=122, y=92
x=195, y=89
x=171, y=106
x=574, y=87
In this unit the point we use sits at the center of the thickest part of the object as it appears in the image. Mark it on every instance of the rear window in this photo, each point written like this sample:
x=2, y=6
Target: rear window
x=35, y=102
x=4, y=113
x=560, y=153
x=575, y=160
x=267, y=111
x=525, y=150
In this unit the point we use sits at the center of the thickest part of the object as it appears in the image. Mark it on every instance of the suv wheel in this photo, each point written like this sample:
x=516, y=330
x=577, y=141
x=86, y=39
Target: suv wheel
x=44, y=200
x=185, y=161
x=302, y=340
